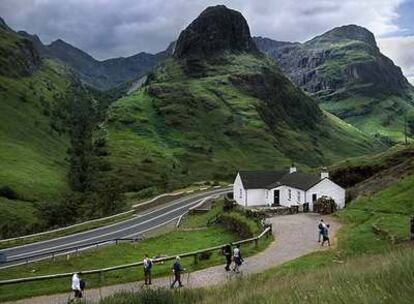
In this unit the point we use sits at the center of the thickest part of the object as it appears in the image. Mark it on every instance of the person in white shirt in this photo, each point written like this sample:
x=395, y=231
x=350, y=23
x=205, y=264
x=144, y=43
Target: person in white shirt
x=147, y=269
x=76, y=286
x=237, y=258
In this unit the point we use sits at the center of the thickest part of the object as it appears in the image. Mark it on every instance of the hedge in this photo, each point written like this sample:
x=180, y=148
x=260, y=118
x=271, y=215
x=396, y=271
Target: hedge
x=239, y=224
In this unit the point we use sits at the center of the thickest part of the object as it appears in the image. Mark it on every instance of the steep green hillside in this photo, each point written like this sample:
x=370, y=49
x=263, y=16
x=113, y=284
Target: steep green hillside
x=345, y=69
x=33, y=153
x=199, y=118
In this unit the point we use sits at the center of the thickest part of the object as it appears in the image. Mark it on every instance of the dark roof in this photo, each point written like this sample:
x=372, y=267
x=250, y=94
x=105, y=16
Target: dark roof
x=300, y=180
x=260, y=179
x=273, y=179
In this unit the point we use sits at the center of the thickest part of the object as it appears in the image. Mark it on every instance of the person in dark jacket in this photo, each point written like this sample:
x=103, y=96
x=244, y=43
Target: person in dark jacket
x=227, y=254
x=325, y=235
x=177, y=270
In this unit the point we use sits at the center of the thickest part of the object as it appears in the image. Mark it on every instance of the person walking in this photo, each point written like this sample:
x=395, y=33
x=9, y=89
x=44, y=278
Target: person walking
x=76, y=287
x=321, y=228
x=227, y=254
x=177, y=270
x=147, y=269
x=326, y=235
x=237, y=258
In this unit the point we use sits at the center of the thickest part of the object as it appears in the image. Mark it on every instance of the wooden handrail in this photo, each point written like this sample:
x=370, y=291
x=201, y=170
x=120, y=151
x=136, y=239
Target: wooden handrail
x=94, y=271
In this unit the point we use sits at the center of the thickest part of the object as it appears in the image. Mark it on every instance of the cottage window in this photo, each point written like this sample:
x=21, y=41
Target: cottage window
x=299, y=196
x=289, y=194
x=267, y=193
x=240, y=193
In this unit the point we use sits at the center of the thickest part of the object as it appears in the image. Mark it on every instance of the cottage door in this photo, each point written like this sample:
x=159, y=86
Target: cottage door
x=276, y=198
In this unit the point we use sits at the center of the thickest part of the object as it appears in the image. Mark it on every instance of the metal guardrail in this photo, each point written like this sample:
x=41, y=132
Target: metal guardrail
x=267, y=231
x=68, y=250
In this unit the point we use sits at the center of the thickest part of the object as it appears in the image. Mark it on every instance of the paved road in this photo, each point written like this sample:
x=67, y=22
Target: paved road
x=126, y=229
x=295, y=236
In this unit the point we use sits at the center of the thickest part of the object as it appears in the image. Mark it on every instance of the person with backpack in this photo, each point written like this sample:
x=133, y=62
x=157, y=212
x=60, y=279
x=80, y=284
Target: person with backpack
x=237, y=257
x=321, y=228
x=78, y=286
x=177, y=270
x=326, y=236
x=147, y=269
x=226, y=251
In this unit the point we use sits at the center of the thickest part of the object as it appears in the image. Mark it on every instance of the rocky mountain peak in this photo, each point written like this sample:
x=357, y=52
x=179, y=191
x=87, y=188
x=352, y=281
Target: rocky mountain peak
x=351, y=32
x=3, y=25
x=215, y=30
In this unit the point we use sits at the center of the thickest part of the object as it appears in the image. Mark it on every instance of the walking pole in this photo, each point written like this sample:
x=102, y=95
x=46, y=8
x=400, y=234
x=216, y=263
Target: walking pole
x=188, y=278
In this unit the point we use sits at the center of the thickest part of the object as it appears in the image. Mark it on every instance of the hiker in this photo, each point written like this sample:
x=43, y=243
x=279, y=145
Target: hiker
x=177, y=270
x=147, y=269
x=321, y=228
x=226, y=251
x=237, y=257
x=326, y=235
x=77, y=286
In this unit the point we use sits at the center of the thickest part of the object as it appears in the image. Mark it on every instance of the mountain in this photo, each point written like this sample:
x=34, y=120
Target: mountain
x=103, y=75
x=346, y=71
x=216, y=106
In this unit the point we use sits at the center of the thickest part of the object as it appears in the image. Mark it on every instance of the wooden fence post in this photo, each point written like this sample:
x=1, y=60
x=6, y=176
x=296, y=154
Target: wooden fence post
x=195, y=259
x=256, y=243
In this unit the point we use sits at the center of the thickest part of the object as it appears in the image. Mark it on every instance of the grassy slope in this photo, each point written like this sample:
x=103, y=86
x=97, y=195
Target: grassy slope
x=373, y=113
x=33, y=151
x=172, y=243
x=182, y=128
x=33, y=136
x=369, y=265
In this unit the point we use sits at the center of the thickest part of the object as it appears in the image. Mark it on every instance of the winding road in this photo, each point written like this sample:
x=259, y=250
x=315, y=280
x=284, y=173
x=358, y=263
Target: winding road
x=126, y=229
x=295, y=236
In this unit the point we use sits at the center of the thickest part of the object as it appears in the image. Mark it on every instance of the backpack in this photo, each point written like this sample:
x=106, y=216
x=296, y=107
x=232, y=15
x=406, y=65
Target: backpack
x=149, y=264
x=320, y=226
x=82, y=284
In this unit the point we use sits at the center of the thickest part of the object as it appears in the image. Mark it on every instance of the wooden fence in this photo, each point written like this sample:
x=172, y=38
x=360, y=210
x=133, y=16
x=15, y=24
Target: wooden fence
x=266, y=232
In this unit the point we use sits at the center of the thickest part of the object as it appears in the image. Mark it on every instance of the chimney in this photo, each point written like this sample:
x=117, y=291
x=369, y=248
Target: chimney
x=324, y=173
x=292, y=169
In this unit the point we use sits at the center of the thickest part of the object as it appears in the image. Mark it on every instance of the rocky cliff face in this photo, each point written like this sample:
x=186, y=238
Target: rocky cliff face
x=342, y=61
x=217, y=29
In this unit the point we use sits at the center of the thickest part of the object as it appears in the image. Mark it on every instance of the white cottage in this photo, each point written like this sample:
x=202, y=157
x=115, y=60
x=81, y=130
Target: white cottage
x=285, y=188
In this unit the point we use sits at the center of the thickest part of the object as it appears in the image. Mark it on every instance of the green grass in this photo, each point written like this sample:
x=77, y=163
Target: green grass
x=378, y=116
x=33, y=158
x=172, y=243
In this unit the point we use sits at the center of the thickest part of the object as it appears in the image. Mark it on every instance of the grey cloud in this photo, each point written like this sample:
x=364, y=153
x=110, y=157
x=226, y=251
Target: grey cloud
x=109, y=28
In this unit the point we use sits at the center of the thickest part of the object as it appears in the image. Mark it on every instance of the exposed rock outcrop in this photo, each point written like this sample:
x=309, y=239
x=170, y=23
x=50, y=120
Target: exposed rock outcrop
x=343, y=59
x=217, y=29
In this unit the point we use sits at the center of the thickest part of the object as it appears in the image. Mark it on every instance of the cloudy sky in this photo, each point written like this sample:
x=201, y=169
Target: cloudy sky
x=112, y=28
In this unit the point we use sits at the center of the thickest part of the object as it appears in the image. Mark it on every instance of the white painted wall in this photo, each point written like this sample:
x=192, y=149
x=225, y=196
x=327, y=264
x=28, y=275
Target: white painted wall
x=239, y=193
x=297, y=196
x=256, y=197
x=328, y=188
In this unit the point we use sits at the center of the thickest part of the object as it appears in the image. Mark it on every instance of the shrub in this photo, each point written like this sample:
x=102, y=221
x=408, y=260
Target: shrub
x=8, y=192
x=229, y=204
x=205, y=255
x=239, y=224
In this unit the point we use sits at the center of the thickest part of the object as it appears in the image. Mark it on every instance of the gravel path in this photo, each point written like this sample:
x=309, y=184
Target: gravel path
x=296, y=235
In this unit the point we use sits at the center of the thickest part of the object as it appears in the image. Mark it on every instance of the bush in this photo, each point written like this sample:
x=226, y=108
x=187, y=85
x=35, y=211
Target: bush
x=205, y=255
x=8, y=192
x=239, y=224
x=325, y=205
x=229, y=204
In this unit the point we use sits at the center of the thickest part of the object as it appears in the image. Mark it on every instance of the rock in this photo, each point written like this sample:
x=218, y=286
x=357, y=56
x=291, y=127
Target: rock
x=216, y=30
x=346, y=57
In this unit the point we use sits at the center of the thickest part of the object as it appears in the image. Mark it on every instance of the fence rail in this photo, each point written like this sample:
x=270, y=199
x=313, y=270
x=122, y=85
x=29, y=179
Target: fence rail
x=68, y=250
x=267, y=231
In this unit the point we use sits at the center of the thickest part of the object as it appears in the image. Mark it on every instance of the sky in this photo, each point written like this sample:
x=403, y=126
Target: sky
x=114, y=28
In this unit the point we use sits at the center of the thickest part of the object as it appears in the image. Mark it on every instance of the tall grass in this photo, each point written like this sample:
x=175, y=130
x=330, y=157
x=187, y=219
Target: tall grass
x=382, y=278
